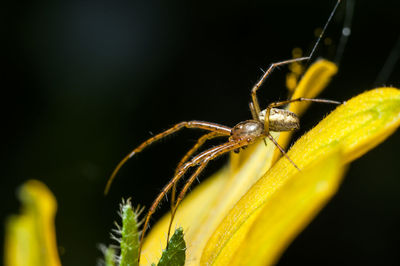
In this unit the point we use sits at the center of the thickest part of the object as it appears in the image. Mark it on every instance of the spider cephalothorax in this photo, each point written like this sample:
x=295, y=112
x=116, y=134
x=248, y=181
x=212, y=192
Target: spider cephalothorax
x=249, y=129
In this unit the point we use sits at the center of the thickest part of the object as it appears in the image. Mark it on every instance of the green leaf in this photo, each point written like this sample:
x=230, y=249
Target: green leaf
x=174, y=255
x=129, y=235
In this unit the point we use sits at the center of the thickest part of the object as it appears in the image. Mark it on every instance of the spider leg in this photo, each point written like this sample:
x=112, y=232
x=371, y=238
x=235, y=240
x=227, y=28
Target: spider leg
x=223, y=130
x=160, y=196
x=196, y=146
x=255, y=116
x=282, y=151
x=264, y=77
x=174, y=207
x=253, y=112
x=210, y=155
x=277, y=104
x=274, y=65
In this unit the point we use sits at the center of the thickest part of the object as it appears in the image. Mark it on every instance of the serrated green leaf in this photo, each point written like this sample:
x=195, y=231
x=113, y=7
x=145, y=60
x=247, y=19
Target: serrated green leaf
x=129, y=236
x=174, y=255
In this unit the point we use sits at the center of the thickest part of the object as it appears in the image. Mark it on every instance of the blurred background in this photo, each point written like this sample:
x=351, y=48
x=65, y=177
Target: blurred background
x=84, y=82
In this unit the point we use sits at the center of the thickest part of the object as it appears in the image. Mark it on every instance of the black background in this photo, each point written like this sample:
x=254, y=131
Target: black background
x=86, y=81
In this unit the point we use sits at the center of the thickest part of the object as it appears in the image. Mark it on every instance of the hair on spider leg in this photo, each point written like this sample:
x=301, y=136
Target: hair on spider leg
x=166, y=197
x=243, y=134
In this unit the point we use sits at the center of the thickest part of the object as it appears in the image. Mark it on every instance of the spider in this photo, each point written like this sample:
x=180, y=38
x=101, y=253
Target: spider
x=271, y=119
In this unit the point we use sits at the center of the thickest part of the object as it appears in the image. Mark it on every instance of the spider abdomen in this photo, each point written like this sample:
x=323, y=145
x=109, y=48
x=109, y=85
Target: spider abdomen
x=281, y=120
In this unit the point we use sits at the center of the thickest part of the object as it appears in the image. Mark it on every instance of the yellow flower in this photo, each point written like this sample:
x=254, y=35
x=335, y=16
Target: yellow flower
x=249, y=212
x=30, y=236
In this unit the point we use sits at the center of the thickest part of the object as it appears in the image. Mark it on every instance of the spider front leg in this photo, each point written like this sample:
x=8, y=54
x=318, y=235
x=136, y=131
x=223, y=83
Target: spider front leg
x=274, y=65
x=254, y=98
x=223, y=130
x=253, y=112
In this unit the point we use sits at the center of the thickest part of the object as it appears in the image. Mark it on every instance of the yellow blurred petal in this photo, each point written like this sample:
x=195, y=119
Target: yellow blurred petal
x=314, y=81
x=291, y=81
x=30, y=236
x=311, y=85
x=297, y=52
x=296, y=68
x=355, y=127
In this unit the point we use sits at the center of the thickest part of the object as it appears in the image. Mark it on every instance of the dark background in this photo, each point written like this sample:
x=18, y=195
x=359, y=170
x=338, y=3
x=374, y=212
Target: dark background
x=86, y=81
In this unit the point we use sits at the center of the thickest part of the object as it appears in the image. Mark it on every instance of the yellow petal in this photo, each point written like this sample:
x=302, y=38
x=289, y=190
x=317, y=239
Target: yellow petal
x=290, y=208
x=355, y=127
x=30, y=236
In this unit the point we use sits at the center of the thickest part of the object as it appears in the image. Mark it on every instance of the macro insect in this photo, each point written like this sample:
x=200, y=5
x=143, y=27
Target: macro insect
x=271, y=119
